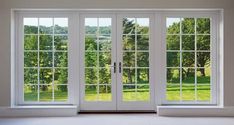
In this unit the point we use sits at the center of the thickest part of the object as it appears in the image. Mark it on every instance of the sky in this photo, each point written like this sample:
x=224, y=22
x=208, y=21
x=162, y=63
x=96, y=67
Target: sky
x=46, y=21
x=89, y=21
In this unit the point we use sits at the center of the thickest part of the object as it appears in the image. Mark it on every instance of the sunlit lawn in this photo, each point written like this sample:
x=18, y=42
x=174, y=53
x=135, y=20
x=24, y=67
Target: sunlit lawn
x=173, y=93
x=45, y=96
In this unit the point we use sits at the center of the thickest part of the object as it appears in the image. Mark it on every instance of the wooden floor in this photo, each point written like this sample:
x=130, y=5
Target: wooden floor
x=118, y=119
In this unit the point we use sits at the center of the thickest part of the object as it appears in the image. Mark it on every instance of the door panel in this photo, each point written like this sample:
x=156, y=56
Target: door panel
x=116, y=64
x=97, y=88
x=135, y=92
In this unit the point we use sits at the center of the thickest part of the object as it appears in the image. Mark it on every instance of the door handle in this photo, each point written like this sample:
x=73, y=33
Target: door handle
x=114, y=66
x=120, y=67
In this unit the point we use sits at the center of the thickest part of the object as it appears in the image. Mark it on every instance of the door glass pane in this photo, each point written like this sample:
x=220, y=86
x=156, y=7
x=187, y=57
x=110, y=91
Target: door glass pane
x=98, y=59
x=135, y=51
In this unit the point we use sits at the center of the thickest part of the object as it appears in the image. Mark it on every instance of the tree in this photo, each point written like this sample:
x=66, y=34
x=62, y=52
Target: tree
x=203, y=43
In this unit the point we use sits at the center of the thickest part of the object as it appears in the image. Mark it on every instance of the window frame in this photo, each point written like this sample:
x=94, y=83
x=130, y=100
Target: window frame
x=158, y=66
x=19, y=84
x=214, y=57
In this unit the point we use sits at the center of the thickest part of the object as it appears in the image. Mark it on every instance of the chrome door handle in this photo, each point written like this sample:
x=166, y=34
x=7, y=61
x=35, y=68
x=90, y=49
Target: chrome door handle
x=114, y=66
x=120, y=67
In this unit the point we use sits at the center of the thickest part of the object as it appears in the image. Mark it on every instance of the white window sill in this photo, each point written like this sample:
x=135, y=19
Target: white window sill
x=45, y=107
x=195, y=111
x=39, y=110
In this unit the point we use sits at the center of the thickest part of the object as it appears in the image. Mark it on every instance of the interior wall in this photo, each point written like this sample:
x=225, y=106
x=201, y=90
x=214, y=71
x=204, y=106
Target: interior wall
x=5, y=21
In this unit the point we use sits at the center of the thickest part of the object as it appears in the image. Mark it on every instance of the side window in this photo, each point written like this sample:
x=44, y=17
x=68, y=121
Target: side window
x=188, y=49
x=45, y=43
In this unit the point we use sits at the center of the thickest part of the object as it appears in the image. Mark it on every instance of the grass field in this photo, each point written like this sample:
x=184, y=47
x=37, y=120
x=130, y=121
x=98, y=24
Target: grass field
x=173, y=93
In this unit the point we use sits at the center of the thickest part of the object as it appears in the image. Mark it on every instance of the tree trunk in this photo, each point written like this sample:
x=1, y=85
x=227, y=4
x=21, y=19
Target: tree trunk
x=129, y=76
x=203, y=72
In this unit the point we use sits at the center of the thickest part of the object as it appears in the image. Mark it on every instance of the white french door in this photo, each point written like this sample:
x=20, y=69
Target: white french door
x=116, y=62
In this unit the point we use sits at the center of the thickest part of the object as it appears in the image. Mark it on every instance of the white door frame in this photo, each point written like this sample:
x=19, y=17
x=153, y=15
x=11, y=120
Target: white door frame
x=135, y=105
x=97, y=105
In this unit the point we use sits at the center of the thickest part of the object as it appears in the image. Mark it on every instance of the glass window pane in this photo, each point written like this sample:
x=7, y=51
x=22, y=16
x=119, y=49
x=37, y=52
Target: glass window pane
x=30, y=76
x=104, y=93
x=188, y=42
x=104, y=76
x=188, y=25
x=61, y=42
x=203, y=42
x=104, y=59
x=173, y=42
x=30, y=93
x=129, y=76
x=104, y=25
x=173, y=92
x=30, y=59
x=143, y=59
x=45, y=59
x=173, y=25
x=60, y=93
x=203, y=26
x=129, y=25
x=30, y=42
x=203, y=59
x=188, y=59
x=46, y=76
x=203, y=93
x=142, y=42
x=188, y=92
x=203, y=75
x=142, y=25
x=143, y=93
x=60, y=59
x=173, y=59
x=60, y=76
x=173, y=76
x=46, y=42
x=91, y=25
x=129, y=59
x=91, y=76
x=128, y=42
x=60, y=25
x=90, y=59
x=45, y=93
x=30, y=25
x=105, y=43
x=129, y=93
x=91, y=93
x=143, y=76
x=46, y=25
x=90, y=42
x=188, y=76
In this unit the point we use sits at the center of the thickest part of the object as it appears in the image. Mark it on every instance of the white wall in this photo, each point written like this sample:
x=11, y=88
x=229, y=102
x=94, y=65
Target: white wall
x=5, y=43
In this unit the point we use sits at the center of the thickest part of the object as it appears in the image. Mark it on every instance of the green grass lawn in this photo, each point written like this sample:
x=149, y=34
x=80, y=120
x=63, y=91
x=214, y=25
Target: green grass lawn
x=172, y=94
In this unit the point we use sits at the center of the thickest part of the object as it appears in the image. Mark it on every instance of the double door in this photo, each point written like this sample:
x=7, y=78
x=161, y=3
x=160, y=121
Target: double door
x=116, y=62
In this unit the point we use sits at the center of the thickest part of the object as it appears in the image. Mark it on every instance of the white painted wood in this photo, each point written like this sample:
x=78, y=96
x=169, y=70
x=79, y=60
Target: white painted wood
x=135, y=105
x=97, y=105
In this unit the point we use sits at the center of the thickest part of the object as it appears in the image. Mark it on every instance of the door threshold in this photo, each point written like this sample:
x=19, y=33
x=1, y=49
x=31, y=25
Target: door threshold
x=115, y=112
